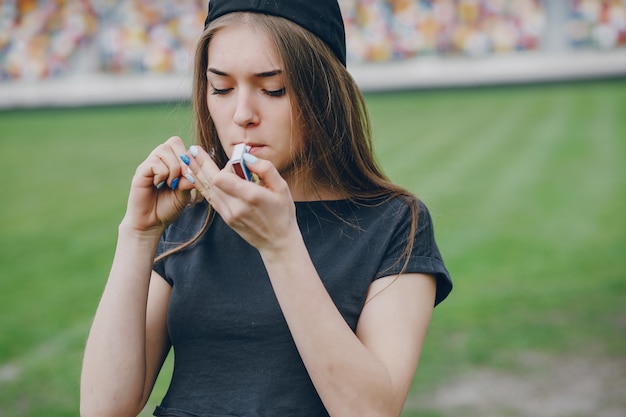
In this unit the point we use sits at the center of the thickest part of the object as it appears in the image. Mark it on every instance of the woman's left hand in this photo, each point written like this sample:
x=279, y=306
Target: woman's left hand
x=264, y=215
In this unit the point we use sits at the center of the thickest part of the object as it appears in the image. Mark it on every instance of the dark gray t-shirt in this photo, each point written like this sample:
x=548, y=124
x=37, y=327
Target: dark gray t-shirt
x=234, y=355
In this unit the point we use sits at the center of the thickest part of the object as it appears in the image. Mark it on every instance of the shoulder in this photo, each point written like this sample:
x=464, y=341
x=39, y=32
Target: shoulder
x=401, y=213
x=412, y=227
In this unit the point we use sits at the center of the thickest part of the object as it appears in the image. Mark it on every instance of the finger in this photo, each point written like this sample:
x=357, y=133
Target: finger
x=151, y=172
x=267, y=173
x=177, y=144
x=176, y=148
x=237, y=196
x=201, y=160
x=168, y=153
x=159, y=171
x=200, y=170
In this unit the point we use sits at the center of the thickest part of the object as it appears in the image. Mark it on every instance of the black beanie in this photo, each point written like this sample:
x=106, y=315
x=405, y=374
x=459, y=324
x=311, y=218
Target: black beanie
x=321, y=17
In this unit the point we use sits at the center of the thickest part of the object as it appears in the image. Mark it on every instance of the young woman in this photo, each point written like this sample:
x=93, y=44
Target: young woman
x=308, y=293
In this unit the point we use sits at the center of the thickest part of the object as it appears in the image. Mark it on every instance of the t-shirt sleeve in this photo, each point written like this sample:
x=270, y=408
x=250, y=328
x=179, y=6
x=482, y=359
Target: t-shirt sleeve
x=425, y=257
x=159, y=266
x=183, y=229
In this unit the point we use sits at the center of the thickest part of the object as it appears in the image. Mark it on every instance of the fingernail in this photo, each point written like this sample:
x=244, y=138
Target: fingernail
x=193, y=149
x=159, y=185
x=249, y=158
x=185, y=159
x=174, y=184
x=189, y=176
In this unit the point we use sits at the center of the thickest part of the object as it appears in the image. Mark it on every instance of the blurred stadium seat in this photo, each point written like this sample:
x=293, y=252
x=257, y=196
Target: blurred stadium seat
x=57, y=39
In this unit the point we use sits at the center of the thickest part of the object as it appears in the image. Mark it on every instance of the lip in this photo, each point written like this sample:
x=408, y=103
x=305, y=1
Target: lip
x=254, y=147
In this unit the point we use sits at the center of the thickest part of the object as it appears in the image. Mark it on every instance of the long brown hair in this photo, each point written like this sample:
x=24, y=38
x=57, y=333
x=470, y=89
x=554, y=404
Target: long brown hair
x=328, y=108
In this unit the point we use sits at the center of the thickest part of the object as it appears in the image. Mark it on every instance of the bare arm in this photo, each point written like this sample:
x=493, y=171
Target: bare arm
x=128, y=339
x=367, y=374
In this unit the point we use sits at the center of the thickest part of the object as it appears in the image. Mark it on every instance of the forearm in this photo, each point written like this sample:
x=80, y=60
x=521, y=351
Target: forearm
x=114, y=365
x=349, y=378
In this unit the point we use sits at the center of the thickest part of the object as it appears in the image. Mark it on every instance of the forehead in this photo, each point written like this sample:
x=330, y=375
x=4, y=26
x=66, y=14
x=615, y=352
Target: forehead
x=243, y=45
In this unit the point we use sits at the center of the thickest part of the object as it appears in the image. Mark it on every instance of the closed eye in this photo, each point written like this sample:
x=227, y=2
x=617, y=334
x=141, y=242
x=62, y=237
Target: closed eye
x=275, y=93
x=219, y=91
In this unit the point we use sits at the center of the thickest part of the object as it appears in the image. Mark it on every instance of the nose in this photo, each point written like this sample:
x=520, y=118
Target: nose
x=246, y=111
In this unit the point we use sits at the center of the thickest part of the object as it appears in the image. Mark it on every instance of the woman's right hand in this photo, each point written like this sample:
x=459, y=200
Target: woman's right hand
x=159, y=190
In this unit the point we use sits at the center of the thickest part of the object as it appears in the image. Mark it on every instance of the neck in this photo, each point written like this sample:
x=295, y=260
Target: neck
x=304, y=188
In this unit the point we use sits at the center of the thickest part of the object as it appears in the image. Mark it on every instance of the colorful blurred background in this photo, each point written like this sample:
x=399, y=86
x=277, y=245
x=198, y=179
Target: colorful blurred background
x=54, y=38
x=82, y=47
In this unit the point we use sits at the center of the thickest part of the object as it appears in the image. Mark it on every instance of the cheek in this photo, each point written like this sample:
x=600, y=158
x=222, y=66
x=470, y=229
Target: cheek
x=218, y=112
x=297, y=144
x=295, y=137
x=212, y=105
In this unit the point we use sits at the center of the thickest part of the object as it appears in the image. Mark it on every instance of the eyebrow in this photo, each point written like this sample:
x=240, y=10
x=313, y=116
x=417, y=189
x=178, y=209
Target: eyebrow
x=264, y=74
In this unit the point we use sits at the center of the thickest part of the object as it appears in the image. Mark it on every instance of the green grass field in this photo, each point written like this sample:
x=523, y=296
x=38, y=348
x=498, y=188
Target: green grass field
x=527, y=187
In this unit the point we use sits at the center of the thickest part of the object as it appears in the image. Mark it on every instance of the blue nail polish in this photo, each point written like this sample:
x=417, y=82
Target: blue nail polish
x=190, y=178
x=159, y=185
x=194, y=150
x=185, y=159
x=249, y=158
x=174, y=184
